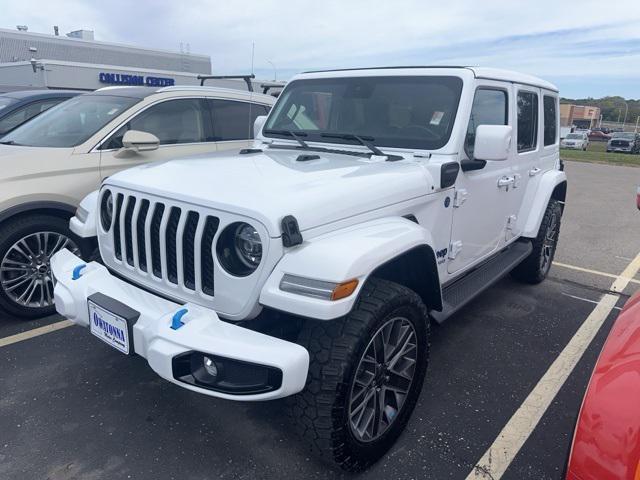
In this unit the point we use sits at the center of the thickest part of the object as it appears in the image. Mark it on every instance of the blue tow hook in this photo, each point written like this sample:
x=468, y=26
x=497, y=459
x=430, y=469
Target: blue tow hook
x=77, y=272
x=176, y=321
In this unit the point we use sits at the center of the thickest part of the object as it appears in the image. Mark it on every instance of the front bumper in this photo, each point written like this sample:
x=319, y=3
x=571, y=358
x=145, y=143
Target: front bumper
x=155, y=340
x=573, y=147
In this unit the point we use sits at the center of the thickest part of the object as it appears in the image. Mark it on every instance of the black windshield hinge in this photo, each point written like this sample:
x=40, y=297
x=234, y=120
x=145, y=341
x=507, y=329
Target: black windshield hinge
x=291, y=235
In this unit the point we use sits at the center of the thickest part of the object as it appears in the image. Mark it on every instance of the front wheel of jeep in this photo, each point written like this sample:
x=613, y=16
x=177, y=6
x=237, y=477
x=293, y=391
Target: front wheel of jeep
x=26, y=247
x=365, y=375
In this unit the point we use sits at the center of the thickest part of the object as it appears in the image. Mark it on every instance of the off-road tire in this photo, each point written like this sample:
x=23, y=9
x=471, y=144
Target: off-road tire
x=320, y=411
x=10, y=233
x=532, y=269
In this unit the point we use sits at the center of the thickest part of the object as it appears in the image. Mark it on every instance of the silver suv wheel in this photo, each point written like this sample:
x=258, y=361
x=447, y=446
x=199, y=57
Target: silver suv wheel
x=25, y=270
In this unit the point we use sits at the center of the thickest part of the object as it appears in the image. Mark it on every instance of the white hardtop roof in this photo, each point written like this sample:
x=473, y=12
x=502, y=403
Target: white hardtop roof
x=477, y=72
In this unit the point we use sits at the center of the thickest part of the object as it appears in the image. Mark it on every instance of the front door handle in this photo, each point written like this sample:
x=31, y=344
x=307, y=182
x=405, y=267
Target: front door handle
x=534, y=171
x=505, y=182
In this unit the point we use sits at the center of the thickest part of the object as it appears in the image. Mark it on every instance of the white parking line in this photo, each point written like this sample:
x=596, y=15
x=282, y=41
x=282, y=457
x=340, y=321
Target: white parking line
x=501, y=453
x=36, y=332
x=595, y=272
x=586, y=300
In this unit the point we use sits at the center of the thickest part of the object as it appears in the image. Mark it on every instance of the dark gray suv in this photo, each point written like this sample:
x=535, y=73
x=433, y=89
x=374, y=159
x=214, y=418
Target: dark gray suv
x=627, y=142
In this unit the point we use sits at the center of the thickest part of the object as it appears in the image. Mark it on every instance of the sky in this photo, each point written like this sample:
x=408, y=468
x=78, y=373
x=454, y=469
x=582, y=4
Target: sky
x=587, y=48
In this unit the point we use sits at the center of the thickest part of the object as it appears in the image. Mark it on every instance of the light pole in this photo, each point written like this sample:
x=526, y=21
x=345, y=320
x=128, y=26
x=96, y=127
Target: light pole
x=275, y=74
x=626, y=110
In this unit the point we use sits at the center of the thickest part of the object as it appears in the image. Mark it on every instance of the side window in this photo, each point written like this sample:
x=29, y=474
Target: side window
x=490, y=107
x=27, y=112
x=233, y=120
x=527, y=121
x=550, y=120
x=173, y=122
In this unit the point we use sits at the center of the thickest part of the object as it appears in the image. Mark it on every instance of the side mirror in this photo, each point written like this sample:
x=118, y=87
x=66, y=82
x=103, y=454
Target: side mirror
x=258, y=124
x=140, y=141
x=493, y=142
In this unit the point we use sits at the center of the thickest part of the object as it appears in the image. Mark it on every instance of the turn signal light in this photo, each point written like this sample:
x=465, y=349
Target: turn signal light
x=344, y=289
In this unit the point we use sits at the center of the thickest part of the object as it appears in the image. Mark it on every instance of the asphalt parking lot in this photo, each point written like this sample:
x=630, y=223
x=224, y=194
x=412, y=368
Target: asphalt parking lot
x=73, y=408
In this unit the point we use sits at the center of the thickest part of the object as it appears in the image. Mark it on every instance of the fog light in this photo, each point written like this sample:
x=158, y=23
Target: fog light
x=210, y=367
x=221, y=374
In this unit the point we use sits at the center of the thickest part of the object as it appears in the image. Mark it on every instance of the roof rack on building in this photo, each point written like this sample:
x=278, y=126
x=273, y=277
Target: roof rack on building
x=246, y=78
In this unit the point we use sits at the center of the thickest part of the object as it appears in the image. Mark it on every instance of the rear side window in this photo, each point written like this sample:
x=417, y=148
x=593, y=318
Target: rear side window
x=233, y=120
x=490, y=107
x=527, y=121
x=550, y=120
x=173, y=122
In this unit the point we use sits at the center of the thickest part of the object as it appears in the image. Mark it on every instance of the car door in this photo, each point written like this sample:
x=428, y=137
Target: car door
x=532, y=155
x=482, y=201
x=233, y=122
x=183, y=126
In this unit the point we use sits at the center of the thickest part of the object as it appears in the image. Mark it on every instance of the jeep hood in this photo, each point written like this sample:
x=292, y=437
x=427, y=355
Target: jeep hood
x=269, y=185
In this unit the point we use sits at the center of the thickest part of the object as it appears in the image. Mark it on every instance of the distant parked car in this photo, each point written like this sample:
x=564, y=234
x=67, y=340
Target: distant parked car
x=625, y=142
x=50, y=163
x=601, y=129
x=17, y=108
x=599, y=136
x=576, y=141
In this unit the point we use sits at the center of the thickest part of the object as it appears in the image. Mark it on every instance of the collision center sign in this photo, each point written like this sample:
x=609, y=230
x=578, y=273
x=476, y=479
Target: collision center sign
x=125, y=79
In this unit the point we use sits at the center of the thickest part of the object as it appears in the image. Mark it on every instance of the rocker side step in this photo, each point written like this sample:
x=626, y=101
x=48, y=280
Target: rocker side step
x=462, y=291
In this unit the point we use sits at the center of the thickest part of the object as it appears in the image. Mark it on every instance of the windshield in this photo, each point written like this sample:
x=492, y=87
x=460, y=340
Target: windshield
x=403, y=112
x=624, y=135
x=5, y=102
x=575, y=136
x=70, y=123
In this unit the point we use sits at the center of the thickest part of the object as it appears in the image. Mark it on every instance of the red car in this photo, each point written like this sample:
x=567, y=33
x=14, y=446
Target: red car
x=598, y=135
x=606, y=444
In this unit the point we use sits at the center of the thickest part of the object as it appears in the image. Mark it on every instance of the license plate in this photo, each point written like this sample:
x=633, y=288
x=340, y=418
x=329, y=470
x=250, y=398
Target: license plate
x=112, y=322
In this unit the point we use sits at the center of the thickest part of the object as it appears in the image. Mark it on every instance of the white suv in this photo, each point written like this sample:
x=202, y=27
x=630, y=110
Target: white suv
x=311, y=264
x=52, y=162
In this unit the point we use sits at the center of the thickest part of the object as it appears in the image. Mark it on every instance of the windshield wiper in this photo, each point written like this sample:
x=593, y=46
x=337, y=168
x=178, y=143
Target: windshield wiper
x=8, y=142
x=363, y=140
x=289, y=133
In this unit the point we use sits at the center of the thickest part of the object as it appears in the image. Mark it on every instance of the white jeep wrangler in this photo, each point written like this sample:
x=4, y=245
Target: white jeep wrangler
x=310, y=265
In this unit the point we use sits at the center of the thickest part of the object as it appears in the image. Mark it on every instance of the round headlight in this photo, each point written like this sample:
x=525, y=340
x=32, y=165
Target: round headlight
x=248, y=245
x=106, y=210
x=239, y=249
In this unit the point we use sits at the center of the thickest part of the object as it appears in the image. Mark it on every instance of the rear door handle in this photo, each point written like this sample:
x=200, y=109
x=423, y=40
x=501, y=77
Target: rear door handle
x=534, y=171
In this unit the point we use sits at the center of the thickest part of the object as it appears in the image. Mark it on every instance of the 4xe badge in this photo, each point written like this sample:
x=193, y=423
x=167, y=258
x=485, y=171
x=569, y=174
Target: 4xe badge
x=441, y=255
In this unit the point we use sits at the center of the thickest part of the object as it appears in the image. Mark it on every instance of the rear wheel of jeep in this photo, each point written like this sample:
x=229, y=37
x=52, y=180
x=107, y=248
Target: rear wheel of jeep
x=535, y=267
x=26, y=247
x=365, y=375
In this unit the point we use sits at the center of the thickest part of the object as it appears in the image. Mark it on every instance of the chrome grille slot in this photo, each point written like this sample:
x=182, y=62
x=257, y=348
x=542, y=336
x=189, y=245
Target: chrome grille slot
x=128, y=236
x=116, y=228
x=172, y=253
x=206, y=254
x=142, y=234
x=156, y=220
x=188, y=248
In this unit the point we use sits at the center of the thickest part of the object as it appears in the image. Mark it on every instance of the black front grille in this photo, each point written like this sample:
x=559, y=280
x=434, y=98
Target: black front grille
x=156, y=225
x=619, y=143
